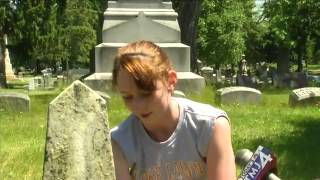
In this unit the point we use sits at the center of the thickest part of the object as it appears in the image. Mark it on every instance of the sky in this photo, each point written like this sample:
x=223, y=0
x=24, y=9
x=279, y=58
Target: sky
x=259, y=3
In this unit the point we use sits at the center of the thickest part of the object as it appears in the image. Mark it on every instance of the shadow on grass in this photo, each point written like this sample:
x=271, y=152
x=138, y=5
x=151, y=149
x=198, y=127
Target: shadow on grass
x=298, y=152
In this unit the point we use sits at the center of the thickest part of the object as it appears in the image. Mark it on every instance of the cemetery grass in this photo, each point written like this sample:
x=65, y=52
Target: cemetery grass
x=314, y=69
x=291, y=133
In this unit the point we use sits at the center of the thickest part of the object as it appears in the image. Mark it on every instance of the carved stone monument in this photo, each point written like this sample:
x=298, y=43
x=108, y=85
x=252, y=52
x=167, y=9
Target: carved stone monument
x=126, y=21
x=78, y=144
x=7, y=64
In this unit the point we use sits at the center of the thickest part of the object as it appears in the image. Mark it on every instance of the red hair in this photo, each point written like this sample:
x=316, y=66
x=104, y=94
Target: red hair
x=145, y=61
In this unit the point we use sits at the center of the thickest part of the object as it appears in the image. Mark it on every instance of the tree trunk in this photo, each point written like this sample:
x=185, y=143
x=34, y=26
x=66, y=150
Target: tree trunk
x=300, y=59
x=283, y=62
x=189, y=12
x=67, y=70
x=282, y=68
x=300, y=63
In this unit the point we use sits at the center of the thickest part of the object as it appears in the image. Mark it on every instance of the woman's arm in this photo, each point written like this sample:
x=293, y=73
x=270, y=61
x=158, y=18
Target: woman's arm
x=120, y=163
x=220, y=157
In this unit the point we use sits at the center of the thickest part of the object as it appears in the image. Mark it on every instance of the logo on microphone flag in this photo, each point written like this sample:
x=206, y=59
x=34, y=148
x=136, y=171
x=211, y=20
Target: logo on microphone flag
x=260, y=164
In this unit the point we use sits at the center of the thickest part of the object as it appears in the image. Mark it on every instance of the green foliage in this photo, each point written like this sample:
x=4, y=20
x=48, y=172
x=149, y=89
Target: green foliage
x=54, y=30
x=221, y=31
x=79, y=20
x=293, y=25
x=46, y=31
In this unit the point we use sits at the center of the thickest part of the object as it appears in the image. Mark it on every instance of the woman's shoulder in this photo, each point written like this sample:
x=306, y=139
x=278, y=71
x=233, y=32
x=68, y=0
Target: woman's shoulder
x=125, y=135
x=200, y=109
x=125, y=126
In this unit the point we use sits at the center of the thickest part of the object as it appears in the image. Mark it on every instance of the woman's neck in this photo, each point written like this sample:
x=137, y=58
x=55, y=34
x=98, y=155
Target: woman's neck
x=161, y=129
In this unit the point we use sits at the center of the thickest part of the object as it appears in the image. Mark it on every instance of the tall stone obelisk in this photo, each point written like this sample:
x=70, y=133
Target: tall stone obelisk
x=8, y=72
x=126, y=21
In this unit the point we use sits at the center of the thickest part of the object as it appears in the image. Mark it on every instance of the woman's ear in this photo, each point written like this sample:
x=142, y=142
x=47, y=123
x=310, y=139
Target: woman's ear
x=172, y=80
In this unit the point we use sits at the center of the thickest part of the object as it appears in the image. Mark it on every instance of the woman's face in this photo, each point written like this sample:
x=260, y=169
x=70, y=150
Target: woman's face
x=146, y=105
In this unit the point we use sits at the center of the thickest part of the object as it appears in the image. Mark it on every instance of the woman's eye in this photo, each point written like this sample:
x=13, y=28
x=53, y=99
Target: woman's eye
x=127, y=97
x=146, y=94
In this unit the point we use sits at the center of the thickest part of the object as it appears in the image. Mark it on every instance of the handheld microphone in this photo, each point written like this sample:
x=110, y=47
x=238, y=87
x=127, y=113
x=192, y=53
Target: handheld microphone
x=257, y=166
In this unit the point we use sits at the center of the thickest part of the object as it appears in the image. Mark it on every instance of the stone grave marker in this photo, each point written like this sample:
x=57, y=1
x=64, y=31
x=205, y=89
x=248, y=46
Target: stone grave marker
x=238, y=95
x=60, y=81
x=5, y=60
x=35, y=83
x=207, y=73
x=16, y=102
x=127, y=21
x=78, y=143
x=177, y=93
x=76, y=74
x=305, y=96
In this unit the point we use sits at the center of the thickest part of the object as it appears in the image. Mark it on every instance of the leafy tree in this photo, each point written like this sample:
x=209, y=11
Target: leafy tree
x=79, y=21
x=293, y=26
x=30, y=31
x=46, y=31
x=255, y=31
x=221, y=34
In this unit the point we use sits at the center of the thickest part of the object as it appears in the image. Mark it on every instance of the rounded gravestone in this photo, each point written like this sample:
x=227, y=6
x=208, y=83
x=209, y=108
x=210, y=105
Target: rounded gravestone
x=17, y=102
x=238, y=95
x=305, y=96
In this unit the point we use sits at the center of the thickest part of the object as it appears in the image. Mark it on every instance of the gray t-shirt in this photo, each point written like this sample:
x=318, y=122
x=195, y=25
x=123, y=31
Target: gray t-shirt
x=181, y=156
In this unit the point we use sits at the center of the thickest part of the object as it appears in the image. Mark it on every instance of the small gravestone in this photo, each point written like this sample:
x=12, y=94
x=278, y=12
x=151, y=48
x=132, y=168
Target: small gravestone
x=105, y=96
x=78, y=144
x=218, y=76
x=35, y=83
x=207, y=72
x=305, y=96
x=16, y=102
x=177, y=93
x=238, y=95
x=60, y=81
x=77, y=74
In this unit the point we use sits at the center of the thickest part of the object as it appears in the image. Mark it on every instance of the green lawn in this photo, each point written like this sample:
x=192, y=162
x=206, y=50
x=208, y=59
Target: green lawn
x=314, y=69
x=292, y=134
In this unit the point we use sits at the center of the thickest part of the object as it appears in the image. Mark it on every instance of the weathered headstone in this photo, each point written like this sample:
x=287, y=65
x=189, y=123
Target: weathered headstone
x=207, y=73
x=305, y=96
x=77, y=74
x=238, y=95
x=60, y=81
x=16, y=102
x=35, y=83
x=47, y=78
x=219, y=77
x=78, y=144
